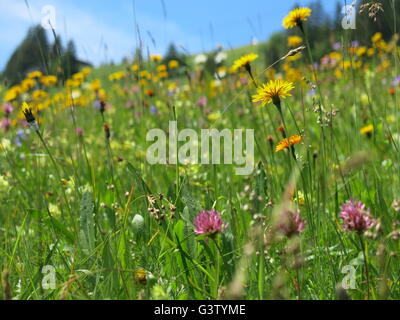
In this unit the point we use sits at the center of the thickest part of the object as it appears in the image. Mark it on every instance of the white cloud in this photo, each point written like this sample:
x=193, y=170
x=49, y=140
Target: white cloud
x=17, y=9
x=165, y=32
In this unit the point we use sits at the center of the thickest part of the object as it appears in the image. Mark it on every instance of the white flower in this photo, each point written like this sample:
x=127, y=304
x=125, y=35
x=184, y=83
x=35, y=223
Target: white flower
x=220, y=74
x=76, y=94
x=200, y=58
x=217, y=83
x=138, y=223
x=5, y=144
x=220, y=56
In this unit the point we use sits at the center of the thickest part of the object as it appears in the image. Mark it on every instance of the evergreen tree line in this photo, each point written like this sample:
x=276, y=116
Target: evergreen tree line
x=36, y=53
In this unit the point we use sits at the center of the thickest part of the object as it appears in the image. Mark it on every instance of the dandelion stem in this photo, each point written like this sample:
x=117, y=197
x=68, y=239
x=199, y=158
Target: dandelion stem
x=57, y=171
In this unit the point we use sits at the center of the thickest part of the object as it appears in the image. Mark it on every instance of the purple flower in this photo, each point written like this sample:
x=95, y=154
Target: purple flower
x=325, y=60
x=7, y=108
x=202, y=102
x=153, y=109
x=396, y=81
x=130, y=104
x=355, y=44
x=96, y=104
x=290, y=223
x=337, y=46
x=79, y=131
x=20, y=135
x=243, y=80
x=209, y=223
x=312, y=92
x=356, y=217
x=17, y=141
x=5, y=124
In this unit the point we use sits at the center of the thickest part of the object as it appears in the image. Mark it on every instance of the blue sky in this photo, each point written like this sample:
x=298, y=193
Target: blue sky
x=195, y=25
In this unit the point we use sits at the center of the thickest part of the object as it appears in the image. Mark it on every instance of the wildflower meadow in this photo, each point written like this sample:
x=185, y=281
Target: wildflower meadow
x=255, y=172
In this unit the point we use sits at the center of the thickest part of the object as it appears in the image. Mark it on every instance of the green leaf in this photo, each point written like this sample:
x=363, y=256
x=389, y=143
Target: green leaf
x=142, y=186
x=60, y=228
x=86, y=223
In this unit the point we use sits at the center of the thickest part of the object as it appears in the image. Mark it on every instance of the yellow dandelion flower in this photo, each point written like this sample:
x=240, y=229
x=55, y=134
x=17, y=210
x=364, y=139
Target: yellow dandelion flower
x=140, y=276
x=39, y=94
x=361, y=51
x=95, y=85
x=34, y=74
x=293, y=75
x=172, y=64
x=27, y=84
x=116, y=76
x=336, y=56
x=296, y=17
x=79, y=76
x=294, y=41
x=300, y=198
x=214, y=116
x=382, y=45
x=86, y=71
x=273, y=91
x=376, y=37
x=155, y=57
x=294, y=57
x=12, y=93
x=286, y=143
x=143, y=74
x=135, y=67
x=48, y=80
x=338, y=73
x=367, y=129
x=244, y=61
x=163, y=74
x=161, y=68
x=370, y=52
x=347, y=65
